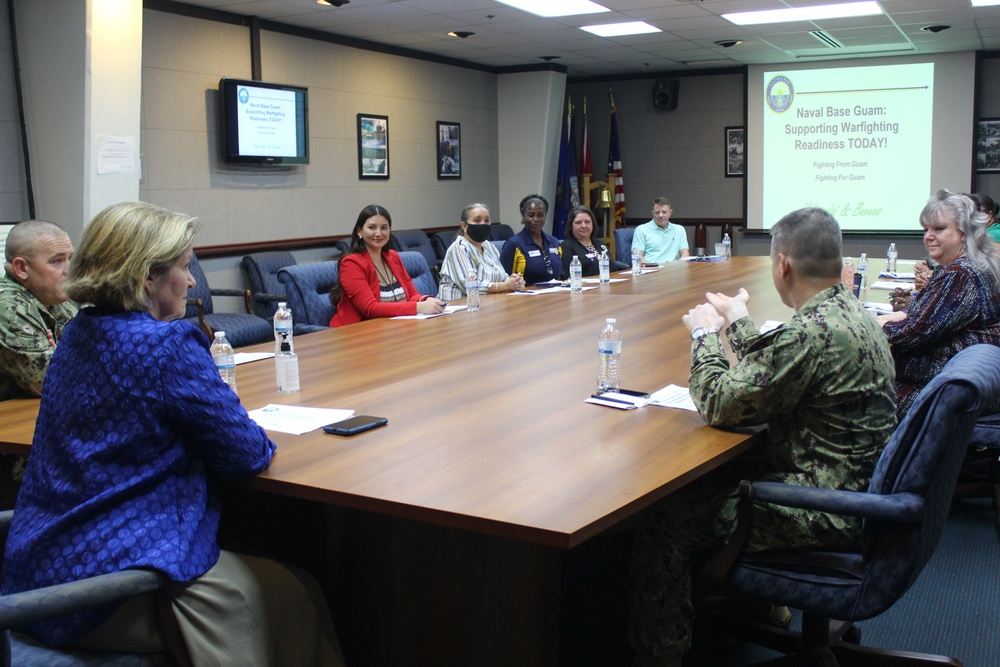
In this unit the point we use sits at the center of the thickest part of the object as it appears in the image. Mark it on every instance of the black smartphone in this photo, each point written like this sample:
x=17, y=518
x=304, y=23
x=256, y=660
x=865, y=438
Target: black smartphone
x=356, y=424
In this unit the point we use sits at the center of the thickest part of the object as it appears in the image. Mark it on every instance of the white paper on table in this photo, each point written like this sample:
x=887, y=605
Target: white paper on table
x=247, y=357
x=770, y=325
x=547, y=290
x=890, y=285
x=597, y=281
x=295, y=419
x=610, y=404
x=448, y=310
x=673, y=396
x=878, y=308
x=898, y=275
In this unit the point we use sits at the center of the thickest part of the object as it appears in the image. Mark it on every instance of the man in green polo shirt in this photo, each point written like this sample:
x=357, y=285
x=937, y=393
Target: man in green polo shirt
x=658, y=241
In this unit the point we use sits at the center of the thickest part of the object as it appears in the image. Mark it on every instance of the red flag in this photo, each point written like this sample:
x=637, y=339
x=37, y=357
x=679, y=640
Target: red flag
x=615, y=170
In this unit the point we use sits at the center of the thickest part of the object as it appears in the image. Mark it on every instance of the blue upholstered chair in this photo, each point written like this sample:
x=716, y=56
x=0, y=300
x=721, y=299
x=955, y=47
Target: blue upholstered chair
x=420, y=273
x=241, y=328
x=441, y=241
x=307, y=287
x=416, y=240
x=22, y=609
x=500, y=232
x=262, y=274
x=623, y=245
x=903, y=512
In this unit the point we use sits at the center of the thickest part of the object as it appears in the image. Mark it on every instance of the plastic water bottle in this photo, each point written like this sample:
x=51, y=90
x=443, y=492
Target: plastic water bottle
x=863, y=271
x=728, y=245
x=609, y=348
x=636, y=262
x=225, y=360
x=282, y=327
x=890, y=258
x=605, y=263
x=575, y=275
x=472, y=290
x=847, y=276
x=286, y=368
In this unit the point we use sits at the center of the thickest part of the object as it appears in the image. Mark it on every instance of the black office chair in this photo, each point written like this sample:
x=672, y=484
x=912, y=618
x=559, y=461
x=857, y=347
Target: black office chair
x=262, y=274
x=23, y=609
x=241, y=328
x=500, y=232
x=416, y=240
x=903, y=512
x=441, y=241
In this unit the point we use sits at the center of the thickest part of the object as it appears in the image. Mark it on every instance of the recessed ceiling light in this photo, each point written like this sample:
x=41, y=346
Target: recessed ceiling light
x=550, y=8
x=335, y=3
x=620, y=29
x=985, y=3
x=936, y=28
x=841, y=11
x=461, y=33
x=549, y=59
x=726, y=43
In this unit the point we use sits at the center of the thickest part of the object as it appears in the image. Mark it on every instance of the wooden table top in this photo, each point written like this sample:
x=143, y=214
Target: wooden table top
x=488, y=429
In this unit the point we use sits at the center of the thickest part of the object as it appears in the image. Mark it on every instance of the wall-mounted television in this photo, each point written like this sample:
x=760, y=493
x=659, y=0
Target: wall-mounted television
x=264, y=123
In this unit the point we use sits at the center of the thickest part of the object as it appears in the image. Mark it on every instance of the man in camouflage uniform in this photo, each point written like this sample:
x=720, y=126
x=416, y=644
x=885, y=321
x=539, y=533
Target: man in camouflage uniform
x=823, y=385
x=33, y=312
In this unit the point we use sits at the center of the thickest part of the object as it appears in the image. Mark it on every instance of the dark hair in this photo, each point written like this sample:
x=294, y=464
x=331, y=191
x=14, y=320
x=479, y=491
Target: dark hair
x=965, y=211
x=985, y=204
x=358, y=244
x=811, y=238
x=577, y=210
x=530, y=198
x=661, y=201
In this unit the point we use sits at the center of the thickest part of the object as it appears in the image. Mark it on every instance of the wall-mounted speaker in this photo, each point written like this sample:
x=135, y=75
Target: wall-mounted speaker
x=665, y=94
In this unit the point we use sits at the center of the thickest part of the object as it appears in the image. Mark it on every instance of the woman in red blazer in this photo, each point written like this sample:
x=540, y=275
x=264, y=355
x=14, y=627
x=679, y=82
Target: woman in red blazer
x=373, y=281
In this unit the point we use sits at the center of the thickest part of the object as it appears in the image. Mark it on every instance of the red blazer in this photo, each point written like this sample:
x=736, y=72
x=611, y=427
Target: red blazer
x=359, y=290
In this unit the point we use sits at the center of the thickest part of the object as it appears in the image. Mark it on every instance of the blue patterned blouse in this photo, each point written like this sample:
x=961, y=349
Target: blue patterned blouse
x=135, y=428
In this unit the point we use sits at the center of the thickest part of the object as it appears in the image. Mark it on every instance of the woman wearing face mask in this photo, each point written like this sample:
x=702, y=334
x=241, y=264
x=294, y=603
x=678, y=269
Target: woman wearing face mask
x=473, y=253
x=531, y=252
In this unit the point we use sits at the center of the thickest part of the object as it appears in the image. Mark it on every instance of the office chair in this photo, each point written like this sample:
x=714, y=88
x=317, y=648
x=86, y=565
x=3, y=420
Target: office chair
x=262, y=274
x=903, y=513
x=416, y=240
x=22, y=609
x=500, y=232
x=307, y=287
x=441, y=242
x=241, y=328
x=982, y=463
x=420, y=273
x=623, y=245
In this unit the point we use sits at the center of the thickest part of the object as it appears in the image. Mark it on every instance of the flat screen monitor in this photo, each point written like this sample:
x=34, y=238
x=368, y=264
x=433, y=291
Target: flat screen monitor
x=867, y=140
x=264, y=123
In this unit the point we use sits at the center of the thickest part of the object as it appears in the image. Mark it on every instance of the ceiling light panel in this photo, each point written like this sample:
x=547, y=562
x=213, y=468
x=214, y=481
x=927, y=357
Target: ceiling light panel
x=621, y=29
x=814, y=13
x=550, y=8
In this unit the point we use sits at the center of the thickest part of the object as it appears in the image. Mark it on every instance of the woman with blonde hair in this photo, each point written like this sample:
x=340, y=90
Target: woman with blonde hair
x=135, y=431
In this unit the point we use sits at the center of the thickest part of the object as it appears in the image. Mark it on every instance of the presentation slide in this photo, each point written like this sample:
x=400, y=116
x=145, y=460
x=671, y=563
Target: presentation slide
x=868, y=143
x=267, y=119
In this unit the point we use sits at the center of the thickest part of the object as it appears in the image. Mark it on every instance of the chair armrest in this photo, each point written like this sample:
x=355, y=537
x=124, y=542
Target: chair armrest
x=28, y=607
x=245, y=293
x=304, y=328
x=897, y=507
x=202, y=324
x=265, y=297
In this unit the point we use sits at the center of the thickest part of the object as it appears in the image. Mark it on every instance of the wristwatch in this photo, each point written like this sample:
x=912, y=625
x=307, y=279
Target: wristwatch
x=698, y=332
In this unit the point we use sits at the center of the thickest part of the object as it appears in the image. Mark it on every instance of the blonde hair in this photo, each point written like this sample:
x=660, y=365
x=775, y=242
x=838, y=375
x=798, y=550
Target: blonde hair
x=122, y=247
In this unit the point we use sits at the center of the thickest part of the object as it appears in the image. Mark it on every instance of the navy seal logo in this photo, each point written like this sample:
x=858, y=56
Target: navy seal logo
x=244, y=95
x=779, y=94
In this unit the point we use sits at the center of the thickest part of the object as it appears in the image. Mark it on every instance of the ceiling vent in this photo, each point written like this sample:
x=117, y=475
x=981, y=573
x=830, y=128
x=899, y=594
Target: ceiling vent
x=826, y=39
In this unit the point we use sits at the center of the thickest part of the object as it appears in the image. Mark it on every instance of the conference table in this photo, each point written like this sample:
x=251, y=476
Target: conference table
x=451, y=535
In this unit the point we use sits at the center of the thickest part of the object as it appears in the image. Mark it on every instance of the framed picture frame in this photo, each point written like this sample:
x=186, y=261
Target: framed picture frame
x=988, y=145
x=373, y=146
x=734, y=151
x=449, y=150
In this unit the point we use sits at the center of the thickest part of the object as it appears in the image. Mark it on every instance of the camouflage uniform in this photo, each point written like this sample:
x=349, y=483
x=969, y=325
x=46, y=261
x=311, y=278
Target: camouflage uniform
x=25, y=349
x=823, y=384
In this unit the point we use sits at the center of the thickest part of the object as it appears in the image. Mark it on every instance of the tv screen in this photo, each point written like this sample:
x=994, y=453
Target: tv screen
x=264, y=123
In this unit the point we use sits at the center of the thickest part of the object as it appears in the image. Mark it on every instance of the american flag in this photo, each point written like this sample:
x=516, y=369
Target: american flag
x=615, y=170
x=586, y=164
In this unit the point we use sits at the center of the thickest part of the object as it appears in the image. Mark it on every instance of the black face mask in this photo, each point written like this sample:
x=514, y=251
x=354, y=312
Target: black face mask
x=477, y=233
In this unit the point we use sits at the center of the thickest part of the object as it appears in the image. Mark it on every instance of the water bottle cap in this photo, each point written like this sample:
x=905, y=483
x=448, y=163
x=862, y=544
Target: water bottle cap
x=611, y=320
x=220, y=334
x=281, y=304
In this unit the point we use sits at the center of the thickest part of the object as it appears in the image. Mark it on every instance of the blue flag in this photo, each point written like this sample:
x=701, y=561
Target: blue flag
x=562, y=204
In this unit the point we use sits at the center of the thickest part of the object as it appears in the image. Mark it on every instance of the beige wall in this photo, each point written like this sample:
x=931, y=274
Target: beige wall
x=183, y=60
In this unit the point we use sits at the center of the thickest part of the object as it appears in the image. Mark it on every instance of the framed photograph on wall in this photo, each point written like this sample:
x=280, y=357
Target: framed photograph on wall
x=449, y=150
x=988, y=145
x=734, y=151
x=373, y=146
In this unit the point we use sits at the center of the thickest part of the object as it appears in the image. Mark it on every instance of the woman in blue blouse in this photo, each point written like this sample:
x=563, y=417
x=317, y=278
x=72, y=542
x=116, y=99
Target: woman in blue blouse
x=134, y=433
x=531, y=252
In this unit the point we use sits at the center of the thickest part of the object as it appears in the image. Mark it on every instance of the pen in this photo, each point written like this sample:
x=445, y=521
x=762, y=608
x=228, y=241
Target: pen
x=612, y=400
